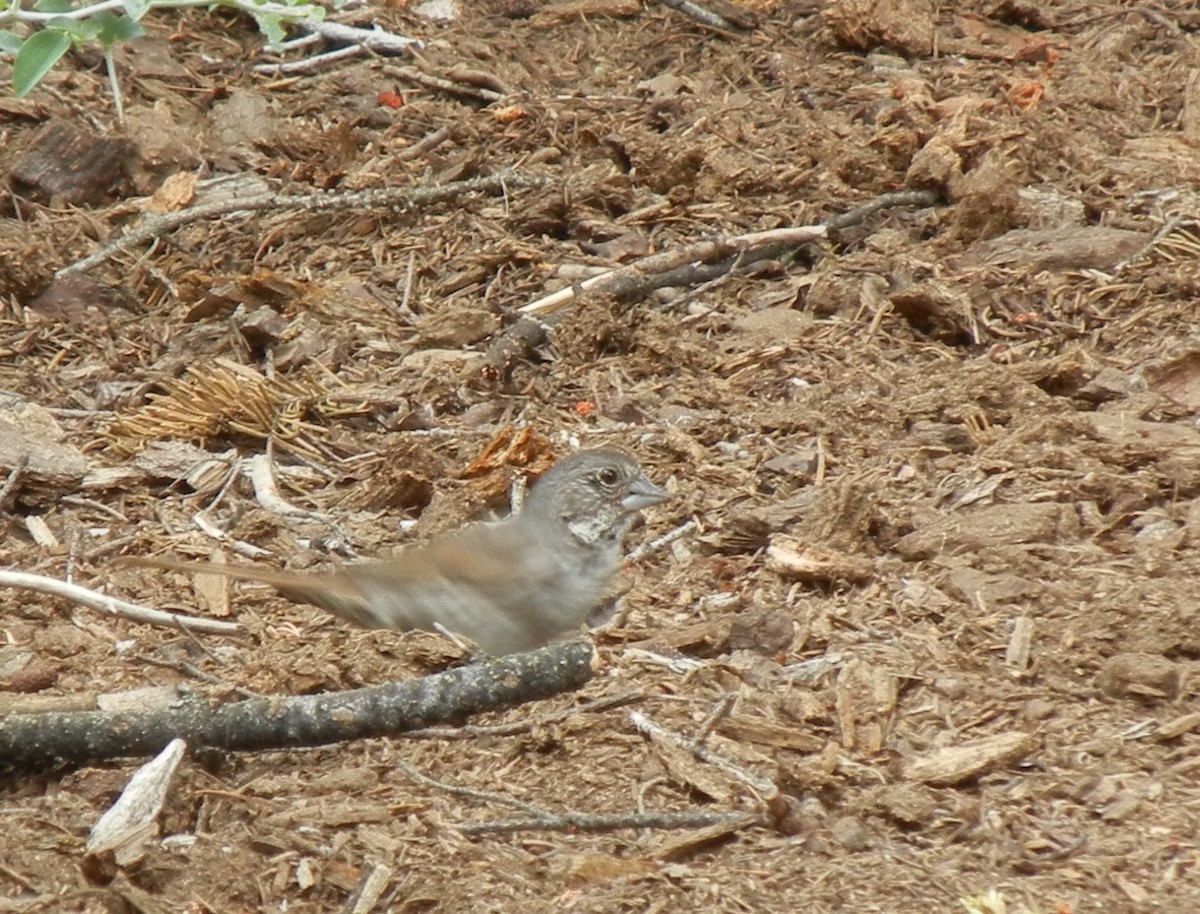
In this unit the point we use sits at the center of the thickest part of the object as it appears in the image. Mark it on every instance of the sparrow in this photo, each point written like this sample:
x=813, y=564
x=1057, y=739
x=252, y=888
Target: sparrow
x=508, y=586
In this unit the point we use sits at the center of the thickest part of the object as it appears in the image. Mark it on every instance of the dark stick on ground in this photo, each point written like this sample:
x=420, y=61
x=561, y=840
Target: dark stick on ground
x=41, y=740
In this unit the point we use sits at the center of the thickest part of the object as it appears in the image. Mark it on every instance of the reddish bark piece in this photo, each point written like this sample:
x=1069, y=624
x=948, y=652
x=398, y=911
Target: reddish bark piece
x=73, y=166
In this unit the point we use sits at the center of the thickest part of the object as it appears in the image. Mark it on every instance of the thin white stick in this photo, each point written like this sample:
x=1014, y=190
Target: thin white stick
x=253, y=8
x=374, y=39
x=242, y=548
x=82, y=596
x=308, y=64
x=266, y=492
x=636, y=555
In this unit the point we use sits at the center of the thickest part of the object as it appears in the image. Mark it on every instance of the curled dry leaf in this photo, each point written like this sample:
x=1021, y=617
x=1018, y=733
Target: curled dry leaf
x=176, y=192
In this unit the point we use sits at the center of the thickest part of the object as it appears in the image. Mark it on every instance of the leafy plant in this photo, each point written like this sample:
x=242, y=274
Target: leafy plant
x=61, y=23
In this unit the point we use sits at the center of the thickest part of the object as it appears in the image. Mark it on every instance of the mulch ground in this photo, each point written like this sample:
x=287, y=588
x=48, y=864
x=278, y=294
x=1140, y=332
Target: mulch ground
x=938, y=602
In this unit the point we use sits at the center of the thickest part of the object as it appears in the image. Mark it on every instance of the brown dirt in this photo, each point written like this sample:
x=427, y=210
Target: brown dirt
x=975, y=419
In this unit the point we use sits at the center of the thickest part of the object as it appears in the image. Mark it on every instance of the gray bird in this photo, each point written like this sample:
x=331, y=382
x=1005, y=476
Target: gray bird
x=509, y=586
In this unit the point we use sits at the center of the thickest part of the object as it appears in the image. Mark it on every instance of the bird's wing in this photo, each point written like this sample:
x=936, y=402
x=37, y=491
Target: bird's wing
x=490, y=583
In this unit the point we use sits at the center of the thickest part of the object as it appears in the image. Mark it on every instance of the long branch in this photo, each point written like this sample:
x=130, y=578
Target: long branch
x=39, y=740
x=154, y=225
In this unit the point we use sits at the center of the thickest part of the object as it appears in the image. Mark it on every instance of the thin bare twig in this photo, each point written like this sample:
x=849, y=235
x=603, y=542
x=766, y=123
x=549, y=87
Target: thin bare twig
x=720, y=711
x=154, y=225
x=891, y=200
x=480, y=94
x=761, y=785
x=543, y=820
x=705, y=261
x=376, y=39
x=1168, y=226
x=577, y=821
x=7, y=498
x=358, y=41
x=309, y=64
x=645, y=549
x=426, y=144
x=635, y=277
x=486, y=796
x=81, y=596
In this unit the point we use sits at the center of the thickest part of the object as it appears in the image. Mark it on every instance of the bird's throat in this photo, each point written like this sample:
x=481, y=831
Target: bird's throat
x=592, y=529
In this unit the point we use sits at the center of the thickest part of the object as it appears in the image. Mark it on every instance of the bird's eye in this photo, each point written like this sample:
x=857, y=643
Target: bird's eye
x=608, y=476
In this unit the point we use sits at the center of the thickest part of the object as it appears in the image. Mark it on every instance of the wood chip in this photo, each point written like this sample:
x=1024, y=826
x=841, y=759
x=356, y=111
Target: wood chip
x=72, y=164
x=375, y=878
x=866, y=704
x=131, y=824
x=176, y=192
x=40, y=531
x=982, y=528
x=212, y=590
x=1019, y=643
x=701, y=838
x=794, y=558
x=1178, y=726
x=143, y=699
x=33, y=445
x=763, y=733
x=685, y=769
x=956, y=764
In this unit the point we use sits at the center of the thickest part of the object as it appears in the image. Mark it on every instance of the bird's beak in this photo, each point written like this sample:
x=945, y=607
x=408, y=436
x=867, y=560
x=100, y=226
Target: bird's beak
x=643, y=494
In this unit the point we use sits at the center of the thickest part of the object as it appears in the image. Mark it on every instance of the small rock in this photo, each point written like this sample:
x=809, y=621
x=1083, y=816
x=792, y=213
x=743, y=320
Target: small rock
x=481, y=414
x=948, y=436
x=797, y=463
x=850, y=833
x=1109, y=384
x=972, y=586
x=1146, y=676
x=420, y=418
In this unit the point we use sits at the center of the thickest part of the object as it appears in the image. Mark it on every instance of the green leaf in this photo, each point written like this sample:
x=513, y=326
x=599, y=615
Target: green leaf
x=136, y=9
x=38, y=54
x=113, y=29
x=79, y=29
x=9, y=43
x=271, y=26
x=54, y=6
